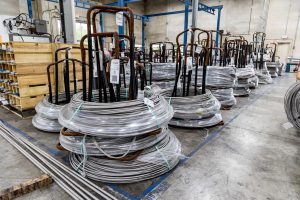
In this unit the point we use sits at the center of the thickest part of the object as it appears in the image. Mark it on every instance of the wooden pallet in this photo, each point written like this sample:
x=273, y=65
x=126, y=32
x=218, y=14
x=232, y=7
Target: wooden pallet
x=24, y=103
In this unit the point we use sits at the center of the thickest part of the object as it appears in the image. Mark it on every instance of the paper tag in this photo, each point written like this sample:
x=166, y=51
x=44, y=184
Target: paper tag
x=119, y=18
x=231, y=61
x=189, y=64
x=199, y=49
x=140, y=95
x=149, y=102
x=179, y=84
x=115, y=71
x=122, y=54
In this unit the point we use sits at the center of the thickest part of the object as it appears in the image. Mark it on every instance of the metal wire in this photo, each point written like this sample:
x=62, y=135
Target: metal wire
x=109, y=147
x=193, y=111
x=75, y=185
x=44, y=124
x=152, y=162
x=291, y=105
x=118, y=119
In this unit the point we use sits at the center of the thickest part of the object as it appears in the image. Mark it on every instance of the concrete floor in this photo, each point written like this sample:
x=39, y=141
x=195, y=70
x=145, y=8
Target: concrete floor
x=253, y=156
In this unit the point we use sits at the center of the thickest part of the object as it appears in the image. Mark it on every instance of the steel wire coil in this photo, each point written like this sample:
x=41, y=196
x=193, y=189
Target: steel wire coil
x=44, y=124
x=152, y=162
x=109, y=147
x=193, y=111
x=264, y=76
x=217, y=77
x=291, y=104
x=118, y=119
x=50, y=110
x=225, y=97
x=192, y=123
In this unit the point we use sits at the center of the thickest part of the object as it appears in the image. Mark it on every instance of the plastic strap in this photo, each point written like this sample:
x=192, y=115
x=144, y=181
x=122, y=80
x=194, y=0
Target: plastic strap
x=163, y=156
x=126, y=93
x=76, y=111
x=113, y=157
x=154, y=115
x=83, y=151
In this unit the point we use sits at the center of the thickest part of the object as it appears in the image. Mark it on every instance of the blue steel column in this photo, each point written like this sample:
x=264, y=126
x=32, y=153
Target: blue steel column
x=121, y=28
x=143, y=33
x=186, y=20
x=218, y=27
x=101, y=23
x=29, y=8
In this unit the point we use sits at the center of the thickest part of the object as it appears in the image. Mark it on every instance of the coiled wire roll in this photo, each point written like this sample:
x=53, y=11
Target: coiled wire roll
x=118, y=119
x=291, y=105
x=193, y=111
x=225, y=97
x=162, y=74
x=109, y=147
x=217, y=77
x=152, y=162
x=44, y=124
x=264, y=77
x=46, y=118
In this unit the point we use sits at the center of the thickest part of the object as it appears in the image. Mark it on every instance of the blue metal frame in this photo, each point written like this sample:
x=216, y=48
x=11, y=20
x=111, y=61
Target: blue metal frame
x=186, y=21
x=29, y=8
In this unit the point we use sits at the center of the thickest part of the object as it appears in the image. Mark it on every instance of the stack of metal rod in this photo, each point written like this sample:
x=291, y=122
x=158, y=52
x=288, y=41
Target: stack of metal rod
x=220, y=80
x=120, y=142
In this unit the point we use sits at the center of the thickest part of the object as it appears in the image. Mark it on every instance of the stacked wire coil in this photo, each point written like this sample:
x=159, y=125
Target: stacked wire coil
x=120, y=142
x=246, y=79
x=291, y=105
x=220, y=81
x=162, y=74
x=200, y=111
x=46, y=118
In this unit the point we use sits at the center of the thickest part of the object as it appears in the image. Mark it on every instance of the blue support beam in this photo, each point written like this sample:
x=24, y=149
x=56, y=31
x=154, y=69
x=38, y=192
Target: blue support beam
x=125, y=1
x=29, y=8
x=186, y=20
x=218, y=27
x=143, y=33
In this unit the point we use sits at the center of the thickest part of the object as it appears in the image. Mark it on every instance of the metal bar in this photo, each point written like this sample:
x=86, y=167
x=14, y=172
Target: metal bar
x=194, y=13
x=29, y=8
x=218, y=27
x=62, y=20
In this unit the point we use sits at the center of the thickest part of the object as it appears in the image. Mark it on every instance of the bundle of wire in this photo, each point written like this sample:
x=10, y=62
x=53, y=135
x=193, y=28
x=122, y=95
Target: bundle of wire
x=220, y=80
x=150, y=163
x=291, y=105
x=197, y=111
x=273, y=68
x=264, y=76
x=246, y=79
x=120, y=142
x=46, y=118
x=217, y=77
x=225, y=97
x=162, y=74
x=117, y=119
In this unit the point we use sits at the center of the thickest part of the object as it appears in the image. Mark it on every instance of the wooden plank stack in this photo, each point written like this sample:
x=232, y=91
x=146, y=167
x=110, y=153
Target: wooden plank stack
x=23, y=72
